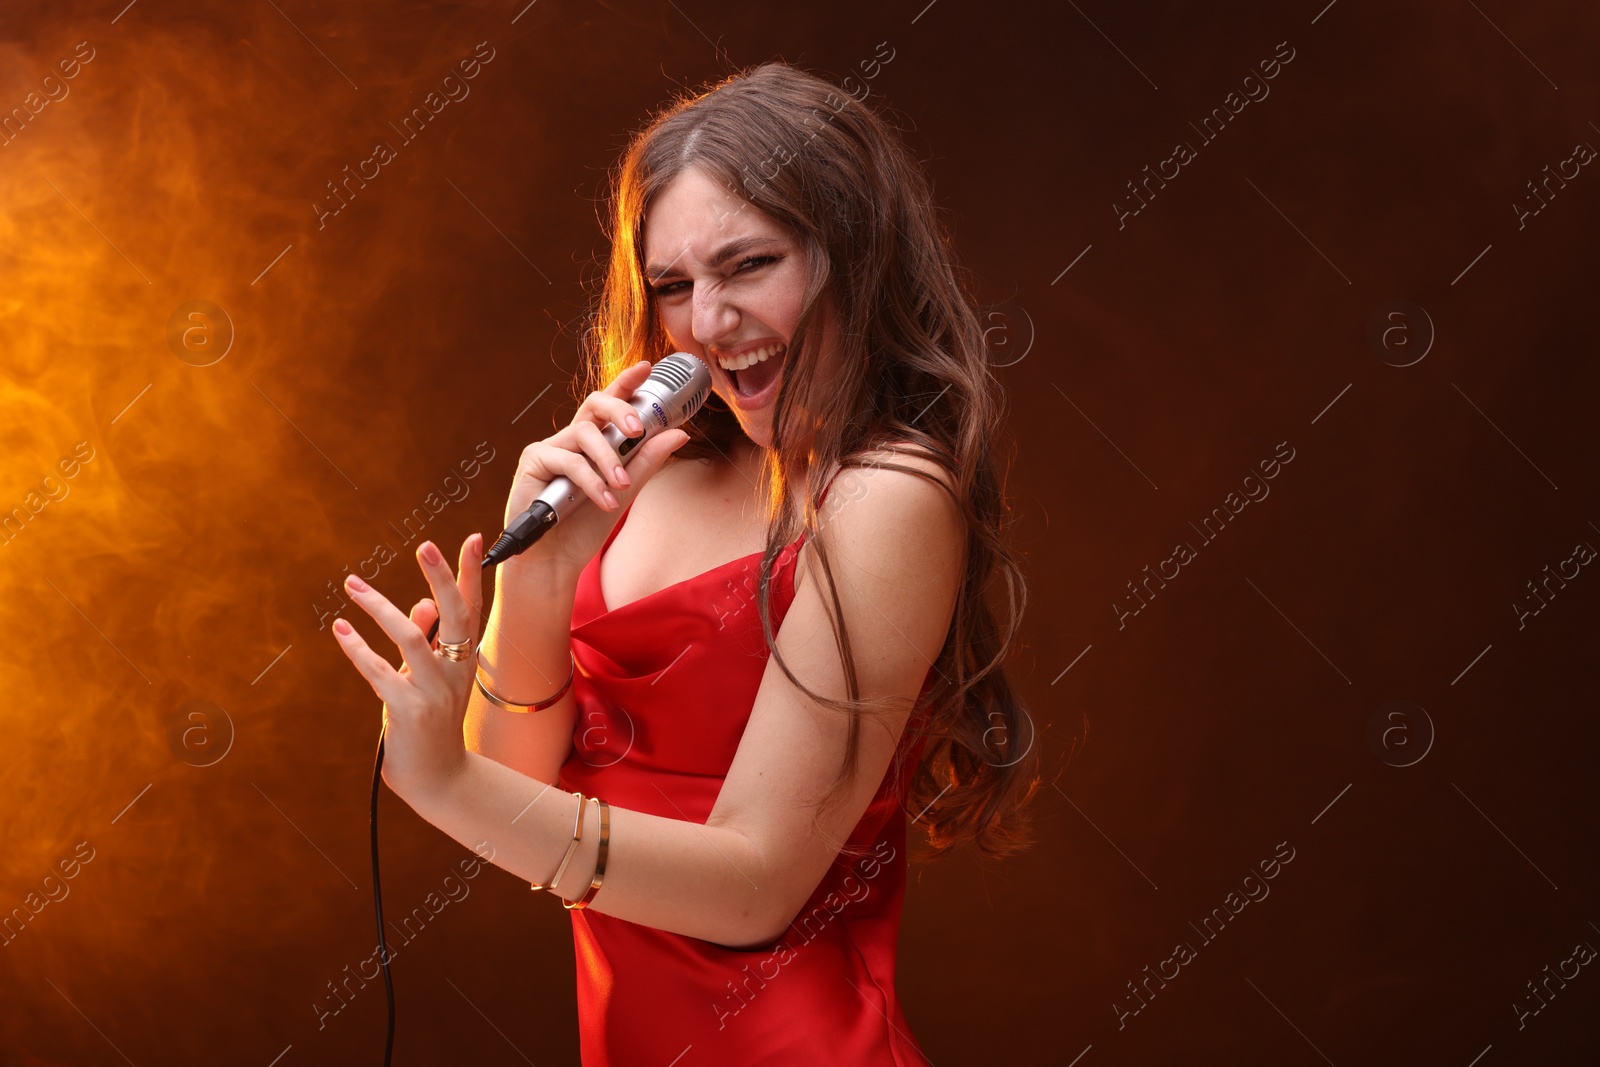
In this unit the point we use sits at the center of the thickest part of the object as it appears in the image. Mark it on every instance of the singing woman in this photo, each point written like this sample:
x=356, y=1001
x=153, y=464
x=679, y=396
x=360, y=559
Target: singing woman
x=707, y=706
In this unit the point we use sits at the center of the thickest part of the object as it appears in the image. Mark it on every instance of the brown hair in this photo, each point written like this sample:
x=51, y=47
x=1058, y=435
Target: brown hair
x=912, y=369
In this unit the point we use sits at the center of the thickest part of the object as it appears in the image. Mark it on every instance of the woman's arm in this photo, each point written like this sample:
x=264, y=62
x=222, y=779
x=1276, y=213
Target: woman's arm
x=525, y=647
x=897, y=553
x=525, y=658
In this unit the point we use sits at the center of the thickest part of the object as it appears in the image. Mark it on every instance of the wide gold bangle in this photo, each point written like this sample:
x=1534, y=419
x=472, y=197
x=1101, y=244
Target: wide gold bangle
x=600, y=859
x=577, y=834
x=524, y=708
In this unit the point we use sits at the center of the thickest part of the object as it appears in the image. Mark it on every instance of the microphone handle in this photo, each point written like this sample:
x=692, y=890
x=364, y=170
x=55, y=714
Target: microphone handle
x=561, y=496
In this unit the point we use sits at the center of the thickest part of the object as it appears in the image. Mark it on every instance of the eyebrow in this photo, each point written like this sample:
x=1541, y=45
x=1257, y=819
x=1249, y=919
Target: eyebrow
x=722, y=255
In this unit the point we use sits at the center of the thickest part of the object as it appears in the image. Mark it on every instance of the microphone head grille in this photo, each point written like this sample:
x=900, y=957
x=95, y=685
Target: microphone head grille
x=672, y=371
x=684, y=382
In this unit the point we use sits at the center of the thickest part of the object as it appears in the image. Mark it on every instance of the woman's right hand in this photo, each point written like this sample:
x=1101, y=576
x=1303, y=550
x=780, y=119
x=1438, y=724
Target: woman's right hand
x=576, y=539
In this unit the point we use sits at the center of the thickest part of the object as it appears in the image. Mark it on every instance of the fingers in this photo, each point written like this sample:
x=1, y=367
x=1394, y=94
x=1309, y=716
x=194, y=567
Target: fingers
x=599, y=451
x=469, y=578
x=652, y=456
x=576, y=467
x=459, y=596
x=379, y=672
x=629, y=379
x=611, y=403
x=413, y=644
x=580, y=451
x=423, y=614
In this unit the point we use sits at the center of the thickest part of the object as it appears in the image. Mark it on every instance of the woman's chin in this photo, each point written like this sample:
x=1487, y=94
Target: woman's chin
x=759, y=433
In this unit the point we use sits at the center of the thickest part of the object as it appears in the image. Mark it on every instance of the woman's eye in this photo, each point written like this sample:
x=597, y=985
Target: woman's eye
x=752, y=263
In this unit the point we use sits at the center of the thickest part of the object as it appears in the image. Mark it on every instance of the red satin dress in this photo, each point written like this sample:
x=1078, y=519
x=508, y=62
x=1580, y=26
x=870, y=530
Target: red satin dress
x=664, y=687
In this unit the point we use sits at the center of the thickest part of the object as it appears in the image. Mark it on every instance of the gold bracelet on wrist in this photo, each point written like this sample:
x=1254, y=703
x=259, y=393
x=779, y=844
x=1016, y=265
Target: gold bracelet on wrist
x=524, y=708
x=600, y=859
x=577, y=834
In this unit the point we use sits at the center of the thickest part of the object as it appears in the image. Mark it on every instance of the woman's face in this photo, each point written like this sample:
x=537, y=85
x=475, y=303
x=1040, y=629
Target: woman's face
x=729, y=281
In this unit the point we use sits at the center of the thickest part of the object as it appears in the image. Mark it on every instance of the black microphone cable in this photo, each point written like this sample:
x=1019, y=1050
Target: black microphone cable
x=677, y=386
x=377, y=897
x=377, y=887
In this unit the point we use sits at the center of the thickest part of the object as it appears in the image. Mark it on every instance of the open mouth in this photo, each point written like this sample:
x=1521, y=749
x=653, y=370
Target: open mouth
x=755, y=380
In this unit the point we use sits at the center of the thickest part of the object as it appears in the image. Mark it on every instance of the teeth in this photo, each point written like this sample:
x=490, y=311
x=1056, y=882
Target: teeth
x=760, y=355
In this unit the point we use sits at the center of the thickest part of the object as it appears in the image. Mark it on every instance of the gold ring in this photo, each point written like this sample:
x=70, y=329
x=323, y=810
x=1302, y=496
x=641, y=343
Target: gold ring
x=456, y=650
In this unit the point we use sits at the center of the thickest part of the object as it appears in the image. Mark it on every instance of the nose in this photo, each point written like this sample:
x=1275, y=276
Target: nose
x=716, y=318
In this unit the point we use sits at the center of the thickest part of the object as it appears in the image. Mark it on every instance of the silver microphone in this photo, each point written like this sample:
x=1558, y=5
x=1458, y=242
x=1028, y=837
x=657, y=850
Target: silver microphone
x=677, y=386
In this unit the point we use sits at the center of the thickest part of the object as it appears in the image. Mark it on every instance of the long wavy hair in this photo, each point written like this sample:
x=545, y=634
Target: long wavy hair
x=913, y=371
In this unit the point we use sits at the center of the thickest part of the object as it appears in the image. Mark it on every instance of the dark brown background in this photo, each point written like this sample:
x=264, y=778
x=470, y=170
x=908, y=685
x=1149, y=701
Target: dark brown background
x=1230, y=315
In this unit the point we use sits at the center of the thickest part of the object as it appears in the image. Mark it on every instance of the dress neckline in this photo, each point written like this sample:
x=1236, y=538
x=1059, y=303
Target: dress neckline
x=599, y=590
x=599, y=587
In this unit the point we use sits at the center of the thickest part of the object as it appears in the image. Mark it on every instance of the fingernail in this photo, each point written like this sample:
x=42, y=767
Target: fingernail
x=342, y=628
x=610, y=500
x=634, y=424
x=356, y=583
x=622, y=477
x=430, y=554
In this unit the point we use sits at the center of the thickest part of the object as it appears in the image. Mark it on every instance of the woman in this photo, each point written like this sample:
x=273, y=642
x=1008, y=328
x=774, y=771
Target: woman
x=772, y=630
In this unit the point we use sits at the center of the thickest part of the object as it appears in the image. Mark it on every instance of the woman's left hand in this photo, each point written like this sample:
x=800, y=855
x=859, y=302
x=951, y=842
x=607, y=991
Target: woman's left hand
x=425, y=701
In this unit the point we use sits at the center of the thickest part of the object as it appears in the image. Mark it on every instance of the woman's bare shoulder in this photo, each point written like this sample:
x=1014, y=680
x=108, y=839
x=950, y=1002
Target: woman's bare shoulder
x=901, y=496
x=903, y=454
x=897, y=537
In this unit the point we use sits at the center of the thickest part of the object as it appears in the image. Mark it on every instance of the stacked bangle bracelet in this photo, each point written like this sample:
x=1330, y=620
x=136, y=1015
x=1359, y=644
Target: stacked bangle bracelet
x=577, y=835
x=600, y=859
x=524, y=708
